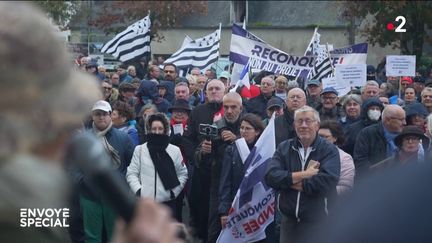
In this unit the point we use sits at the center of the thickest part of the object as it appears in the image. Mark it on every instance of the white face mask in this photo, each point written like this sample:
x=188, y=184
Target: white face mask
x=374, y=115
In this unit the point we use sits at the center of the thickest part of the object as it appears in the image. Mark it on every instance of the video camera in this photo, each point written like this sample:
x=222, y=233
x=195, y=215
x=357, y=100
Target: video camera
x=210, y=132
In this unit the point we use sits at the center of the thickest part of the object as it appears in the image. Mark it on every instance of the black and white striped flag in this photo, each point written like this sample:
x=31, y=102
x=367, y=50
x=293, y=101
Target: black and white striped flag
x=323, y=66
x=200, y=53
x=130, y=43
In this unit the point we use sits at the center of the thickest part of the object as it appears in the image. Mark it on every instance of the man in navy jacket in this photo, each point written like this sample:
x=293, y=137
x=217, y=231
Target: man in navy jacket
x=305, y=169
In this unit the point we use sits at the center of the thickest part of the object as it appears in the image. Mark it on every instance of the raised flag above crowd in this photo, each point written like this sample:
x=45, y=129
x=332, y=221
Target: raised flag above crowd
x=248, y=48
x=314, y=42
x=323, y=63
x=253, y=207
x=131, y=43
x=200, y=53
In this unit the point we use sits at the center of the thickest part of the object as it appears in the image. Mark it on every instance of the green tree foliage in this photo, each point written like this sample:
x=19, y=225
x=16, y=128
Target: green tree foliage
x=418, y=19
x=60, y=11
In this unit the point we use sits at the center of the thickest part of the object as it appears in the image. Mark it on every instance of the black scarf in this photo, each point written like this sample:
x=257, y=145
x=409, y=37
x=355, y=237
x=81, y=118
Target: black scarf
x=164, y=165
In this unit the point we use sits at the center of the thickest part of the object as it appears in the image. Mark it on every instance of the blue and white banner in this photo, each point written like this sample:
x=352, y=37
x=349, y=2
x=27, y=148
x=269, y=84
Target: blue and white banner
x=247, y=48
x=253, y=207
x=354, y=54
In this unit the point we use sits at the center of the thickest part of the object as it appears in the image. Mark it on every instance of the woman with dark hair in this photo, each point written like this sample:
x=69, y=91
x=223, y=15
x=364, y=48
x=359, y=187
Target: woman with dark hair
x=409, y=95
x=233, y=169
x=157, y=170
x=123, y=118
x=332, y=132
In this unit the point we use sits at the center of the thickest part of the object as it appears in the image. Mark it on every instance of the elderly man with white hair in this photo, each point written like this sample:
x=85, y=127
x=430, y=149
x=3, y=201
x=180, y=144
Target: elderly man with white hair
x=258, y=105
x=305, y=170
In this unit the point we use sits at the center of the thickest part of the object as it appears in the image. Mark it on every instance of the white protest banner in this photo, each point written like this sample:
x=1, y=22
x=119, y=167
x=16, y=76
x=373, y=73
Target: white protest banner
x=351, y=74
x=247, y=48
x=402, y=65
x=342, y=89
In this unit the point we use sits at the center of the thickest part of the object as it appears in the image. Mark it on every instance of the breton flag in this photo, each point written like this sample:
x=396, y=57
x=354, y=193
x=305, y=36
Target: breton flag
x=313, y=44
x=323, y=66
x=130, y=43
x=200, y=53
x=323, y=63
x=186, y=41
x=253, y=207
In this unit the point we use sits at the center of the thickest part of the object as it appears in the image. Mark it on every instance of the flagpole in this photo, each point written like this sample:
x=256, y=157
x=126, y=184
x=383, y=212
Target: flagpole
x=311, y=41
x=220, y=38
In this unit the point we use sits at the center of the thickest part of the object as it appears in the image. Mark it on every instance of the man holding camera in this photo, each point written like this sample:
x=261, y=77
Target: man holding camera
x=211, y=127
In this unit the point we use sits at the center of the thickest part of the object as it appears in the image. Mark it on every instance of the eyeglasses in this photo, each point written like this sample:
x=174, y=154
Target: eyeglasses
x=295, y=97
x=412, y=139
x=308, y=122
x=396, y=118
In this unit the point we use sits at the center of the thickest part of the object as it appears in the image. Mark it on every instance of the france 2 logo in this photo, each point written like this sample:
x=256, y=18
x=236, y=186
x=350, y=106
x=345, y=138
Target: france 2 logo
x=399, y=28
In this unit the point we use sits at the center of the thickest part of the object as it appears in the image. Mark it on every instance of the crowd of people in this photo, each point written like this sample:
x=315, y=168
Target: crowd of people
x=326, y=143
x=172, y=140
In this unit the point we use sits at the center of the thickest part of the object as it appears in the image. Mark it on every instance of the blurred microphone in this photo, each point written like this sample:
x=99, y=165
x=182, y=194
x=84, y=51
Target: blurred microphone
x=87, y=153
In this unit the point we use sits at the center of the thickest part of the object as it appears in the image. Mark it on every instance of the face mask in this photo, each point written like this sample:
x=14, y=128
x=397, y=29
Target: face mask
x=374, y=115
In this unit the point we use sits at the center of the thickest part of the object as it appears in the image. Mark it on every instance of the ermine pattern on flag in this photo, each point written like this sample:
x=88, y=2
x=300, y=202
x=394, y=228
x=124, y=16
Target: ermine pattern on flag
x=201, y=52
x=323, y=67
x=133, y=42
